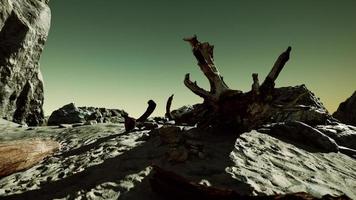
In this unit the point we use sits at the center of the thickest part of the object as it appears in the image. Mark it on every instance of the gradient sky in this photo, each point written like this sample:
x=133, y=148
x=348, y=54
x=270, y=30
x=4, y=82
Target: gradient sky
x=121, y=53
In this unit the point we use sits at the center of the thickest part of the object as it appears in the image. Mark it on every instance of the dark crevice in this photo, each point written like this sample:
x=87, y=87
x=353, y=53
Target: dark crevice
x=12, y=36
x=22, y=103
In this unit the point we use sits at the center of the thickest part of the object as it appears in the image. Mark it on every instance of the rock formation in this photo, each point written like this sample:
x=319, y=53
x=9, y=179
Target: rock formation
x=70, y=114
x=24, y=26
x=346, y=112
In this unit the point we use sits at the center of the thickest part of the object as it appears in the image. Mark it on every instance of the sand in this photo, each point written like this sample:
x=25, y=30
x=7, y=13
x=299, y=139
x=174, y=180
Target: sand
x=103, y=162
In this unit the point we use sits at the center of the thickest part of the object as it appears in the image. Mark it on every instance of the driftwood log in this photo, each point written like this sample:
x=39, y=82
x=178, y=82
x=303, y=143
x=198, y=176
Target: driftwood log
x=169, y=185
x=227, y=108
x=22, y=154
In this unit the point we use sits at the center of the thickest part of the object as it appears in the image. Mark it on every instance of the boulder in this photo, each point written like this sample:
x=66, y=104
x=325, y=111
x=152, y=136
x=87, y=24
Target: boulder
x=70, y=114
x=346, y=112
x=298, y=104
x=170, y=134
x=344, y=135
x=24, y=27
x=304, y=134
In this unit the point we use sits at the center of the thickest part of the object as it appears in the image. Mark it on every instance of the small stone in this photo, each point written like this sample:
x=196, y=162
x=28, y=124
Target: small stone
x=170, y=134
x=179, y=154
x=201, y=155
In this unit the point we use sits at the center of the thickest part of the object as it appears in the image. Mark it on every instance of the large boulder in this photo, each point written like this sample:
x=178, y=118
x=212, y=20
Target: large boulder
x=346, y=112
x=24, y=27
x=298, y=104
x=304, y=134
x=70, y=114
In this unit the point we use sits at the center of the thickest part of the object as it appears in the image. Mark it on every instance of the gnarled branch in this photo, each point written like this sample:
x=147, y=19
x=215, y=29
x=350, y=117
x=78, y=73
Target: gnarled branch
x=195, y=88
x=204, y=53
x=269, y=82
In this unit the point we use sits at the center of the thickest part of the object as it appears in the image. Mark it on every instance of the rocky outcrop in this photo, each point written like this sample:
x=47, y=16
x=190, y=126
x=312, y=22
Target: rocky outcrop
x=70, y=114
x=24, y=27
x=346, y=112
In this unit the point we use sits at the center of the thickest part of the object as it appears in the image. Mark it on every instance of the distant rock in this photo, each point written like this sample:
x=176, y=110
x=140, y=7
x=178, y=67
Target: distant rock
x=346, y=112
x=24, y=27
x=70, y=114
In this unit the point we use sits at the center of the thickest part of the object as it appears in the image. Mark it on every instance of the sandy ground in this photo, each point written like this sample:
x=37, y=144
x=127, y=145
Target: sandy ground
x=103, y=162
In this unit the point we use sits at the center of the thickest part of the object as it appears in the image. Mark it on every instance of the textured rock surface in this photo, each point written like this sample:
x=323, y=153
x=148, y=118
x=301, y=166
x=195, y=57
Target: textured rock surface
x=70, y=114
x=346, y=112
x=301, y=133
x=344, y=135
x=24, y=26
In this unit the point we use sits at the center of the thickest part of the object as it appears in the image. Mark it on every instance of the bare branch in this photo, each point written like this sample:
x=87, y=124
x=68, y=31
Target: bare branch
x=195, y=88
x=168, y=107
x=151, y=107
x=204, y=53
x=269, y=82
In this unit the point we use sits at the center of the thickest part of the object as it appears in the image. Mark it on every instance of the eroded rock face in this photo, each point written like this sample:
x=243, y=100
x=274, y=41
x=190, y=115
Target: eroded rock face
x=346, y=112
x=70, y=114
x=24, y=27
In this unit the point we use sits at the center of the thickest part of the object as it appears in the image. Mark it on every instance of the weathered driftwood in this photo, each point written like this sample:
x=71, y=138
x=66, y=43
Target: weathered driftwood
x=131, y=123
x=151, y=107
x=22, y=154
x=168, y=107
x=169, y=185
x=228, y=108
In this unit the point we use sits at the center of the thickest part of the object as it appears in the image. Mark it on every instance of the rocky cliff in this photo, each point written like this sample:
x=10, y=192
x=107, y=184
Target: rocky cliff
x=24, y=27
x=346, y=112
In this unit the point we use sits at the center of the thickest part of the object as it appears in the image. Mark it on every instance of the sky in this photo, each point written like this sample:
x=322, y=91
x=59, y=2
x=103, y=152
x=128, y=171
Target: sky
x=121, y=53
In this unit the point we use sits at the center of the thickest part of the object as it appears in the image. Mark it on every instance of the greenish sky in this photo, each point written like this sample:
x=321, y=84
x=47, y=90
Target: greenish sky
x=121, y=53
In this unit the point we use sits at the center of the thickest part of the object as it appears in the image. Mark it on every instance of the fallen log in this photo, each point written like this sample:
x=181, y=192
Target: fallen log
x=22, y=154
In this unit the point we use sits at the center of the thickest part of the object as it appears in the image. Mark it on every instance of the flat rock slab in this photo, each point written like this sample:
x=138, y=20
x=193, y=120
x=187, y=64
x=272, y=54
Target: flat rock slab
x=22, y=154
